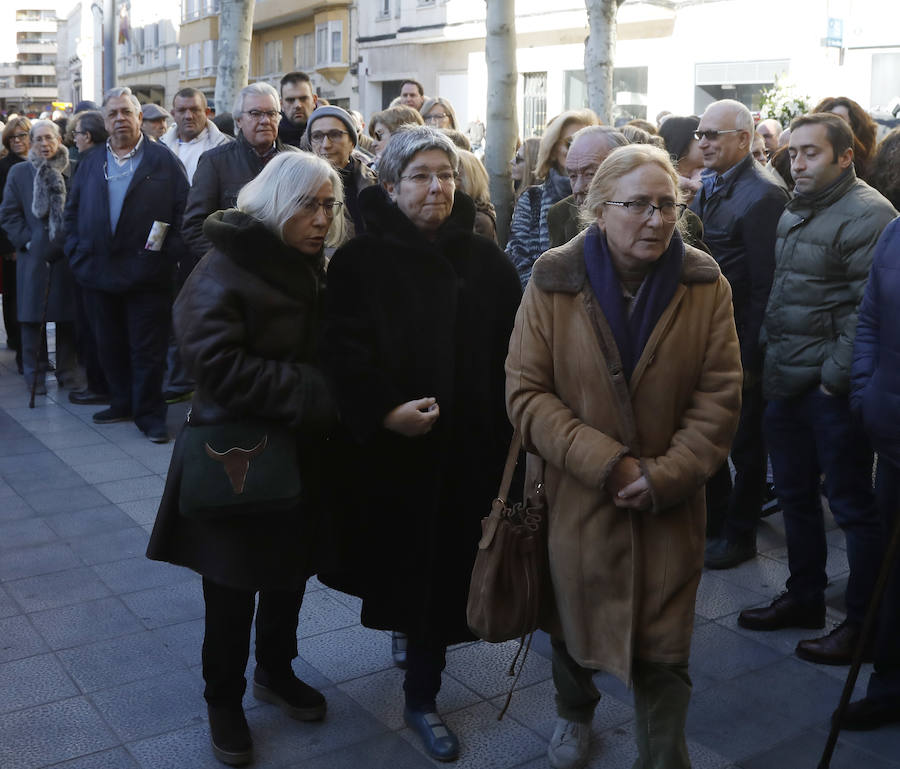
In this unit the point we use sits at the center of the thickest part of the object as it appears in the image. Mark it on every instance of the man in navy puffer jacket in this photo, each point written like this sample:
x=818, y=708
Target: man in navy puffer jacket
x=875, y=396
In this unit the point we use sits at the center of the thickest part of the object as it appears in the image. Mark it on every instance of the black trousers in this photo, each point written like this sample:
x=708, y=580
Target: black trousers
x=131, y=330
x=733, y=509
x=425, y=661
x=226, y=640
x=10, y=322
x=86, y=346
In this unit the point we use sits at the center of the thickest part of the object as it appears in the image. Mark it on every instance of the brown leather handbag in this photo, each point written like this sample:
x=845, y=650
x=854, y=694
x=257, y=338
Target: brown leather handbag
x=511, y=564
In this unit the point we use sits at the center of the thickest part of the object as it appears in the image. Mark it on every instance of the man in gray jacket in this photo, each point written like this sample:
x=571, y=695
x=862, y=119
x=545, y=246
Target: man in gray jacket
x=825, y=243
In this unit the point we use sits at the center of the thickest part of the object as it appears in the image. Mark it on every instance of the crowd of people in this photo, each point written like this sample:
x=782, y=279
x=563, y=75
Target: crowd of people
x=689, y=319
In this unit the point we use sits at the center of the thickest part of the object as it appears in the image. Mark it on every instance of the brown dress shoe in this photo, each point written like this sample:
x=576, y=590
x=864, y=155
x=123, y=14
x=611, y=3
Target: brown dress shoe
x=784, y=611
x=836, y=648
x=866, y=714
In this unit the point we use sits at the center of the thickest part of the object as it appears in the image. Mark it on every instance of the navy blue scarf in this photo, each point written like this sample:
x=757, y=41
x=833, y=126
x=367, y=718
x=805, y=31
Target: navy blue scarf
x=631, y=332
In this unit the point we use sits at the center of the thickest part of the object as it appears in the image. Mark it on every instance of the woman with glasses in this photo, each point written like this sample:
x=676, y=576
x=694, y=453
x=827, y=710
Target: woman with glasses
x=438, y=113
x=624, y=375
x=529, y=234
x=417, y=324
x=16, y=143
x=246, y=323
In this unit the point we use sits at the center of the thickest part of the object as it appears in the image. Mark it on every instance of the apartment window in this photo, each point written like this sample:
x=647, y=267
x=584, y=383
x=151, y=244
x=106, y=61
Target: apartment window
x=210, y=7
x=194, y=59
x=151, y=37
x=305, y=51
x=534, y=107
x=210, y=49
x=190, y=9
x=329, y=43
x=384, y=9
x=272, y=57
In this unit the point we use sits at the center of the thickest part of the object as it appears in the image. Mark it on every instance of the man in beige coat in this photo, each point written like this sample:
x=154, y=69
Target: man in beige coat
x=628, y=446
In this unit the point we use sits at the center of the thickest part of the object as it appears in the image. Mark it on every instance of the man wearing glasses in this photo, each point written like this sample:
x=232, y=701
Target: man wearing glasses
x=740, y=206
x=123, y=240
x=223, y=170
x=331, y=132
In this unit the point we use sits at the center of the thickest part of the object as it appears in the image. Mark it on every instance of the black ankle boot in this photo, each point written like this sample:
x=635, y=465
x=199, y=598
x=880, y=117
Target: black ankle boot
x=230, y=735
x=298, y=699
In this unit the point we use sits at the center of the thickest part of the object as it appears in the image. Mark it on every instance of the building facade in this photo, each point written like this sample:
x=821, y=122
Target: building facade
x=28, y=84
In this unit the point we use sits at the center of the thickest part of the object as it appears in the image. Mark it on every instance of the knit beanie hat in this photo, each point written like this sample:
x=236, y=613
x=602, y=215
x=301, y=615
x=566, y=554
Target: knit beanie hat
x=336, y=112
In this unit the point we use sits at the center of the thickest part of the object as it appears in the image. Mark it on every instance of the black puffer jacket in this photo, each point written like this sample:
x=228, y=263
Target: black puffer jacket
x=739, y=222
x=246, y=324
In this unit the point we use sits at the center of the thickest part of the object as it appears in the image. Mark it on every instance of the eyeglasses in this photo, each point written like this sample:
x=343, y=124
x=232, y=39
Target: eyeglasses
x=127, y=170
x=259, y=114
x=19, y=137
x=713, y=135
x=643, y=209
x=329, y=207
x=334, y=135
x=444, y=178
x=80, y=133
x=435, y=117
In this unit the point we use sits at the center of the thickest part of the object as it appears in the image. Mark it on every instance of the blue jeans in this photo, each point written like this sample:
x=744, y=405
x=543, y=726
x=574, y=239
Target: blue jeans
x=808, y=435
x=884, y=683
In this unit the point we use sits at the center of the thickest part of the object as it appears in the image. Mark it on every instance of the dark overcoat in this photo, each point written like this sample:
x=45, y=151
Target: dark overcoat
x=246, y=324
x=32, y=271
x=408, y=318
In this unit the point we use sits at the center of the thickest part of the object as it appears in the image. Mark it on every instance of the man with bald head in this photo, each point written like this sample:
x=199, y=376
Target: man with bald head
x=770, y=131
x=739, y=204
x=588, y=150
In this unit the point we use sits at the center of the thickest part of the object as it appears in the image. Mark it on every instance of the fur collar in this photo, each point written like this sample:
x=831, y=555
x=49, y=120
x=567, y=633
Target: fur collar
x=562, y=269
x=49, y=191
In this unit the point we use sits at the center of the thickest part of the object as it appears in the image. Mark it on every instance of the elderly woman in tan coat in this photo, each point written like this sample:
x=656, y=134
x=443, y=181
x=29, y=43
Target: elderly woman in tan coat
x=624, y=374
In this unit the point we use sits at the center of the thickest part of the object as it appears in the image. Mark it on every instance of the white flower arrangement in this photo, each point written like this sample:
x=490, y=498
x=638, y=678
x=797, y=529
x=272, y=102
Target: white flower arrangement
x=782, y=102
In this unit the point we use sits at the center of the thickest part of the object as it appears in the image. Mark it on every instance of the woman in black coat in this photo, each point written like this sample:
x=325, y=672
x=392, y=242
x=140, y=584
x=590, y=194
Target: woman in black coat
x=418, y=320
x=246, y=324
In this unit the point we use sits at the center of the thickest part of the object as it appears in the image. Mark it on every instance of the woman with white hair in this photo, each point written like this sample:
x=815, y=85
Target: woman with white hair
x=32, y=217
x=246, y=324
x=417, y=323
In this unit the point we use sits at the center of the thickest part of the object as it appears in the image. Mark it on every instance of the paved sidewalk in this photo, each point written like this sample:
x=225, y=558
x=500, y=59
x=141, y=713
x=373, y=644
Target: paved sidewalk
x=100, y=648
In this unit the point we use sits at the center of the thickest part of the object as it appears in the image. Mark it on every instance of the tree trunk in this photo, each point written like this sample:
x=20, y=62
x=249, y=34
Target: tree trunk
x=599, y=55
x=235, y=31
x=502, y=126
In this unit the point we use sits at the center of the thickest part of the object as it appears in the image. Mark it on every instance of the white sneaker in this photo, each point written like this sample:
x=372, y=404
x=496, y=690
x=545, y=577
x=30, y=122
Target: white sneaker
x=568, y=748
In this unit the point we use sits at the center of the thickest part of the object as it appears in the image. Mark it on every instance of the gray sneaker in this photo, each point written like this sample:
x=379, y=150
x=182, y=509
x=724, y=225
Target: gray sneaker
x=569, y=745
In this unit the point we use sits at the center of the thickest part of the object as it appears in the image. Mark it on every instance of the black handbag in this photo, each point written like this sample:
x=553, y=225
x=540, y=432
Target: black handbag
x=246, y=467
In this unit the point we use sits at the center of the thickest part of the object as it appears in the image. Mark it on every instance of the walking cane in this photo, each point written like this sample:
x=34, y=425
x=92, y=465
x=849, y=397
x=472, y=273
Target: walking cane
x=37, y=354
x=867, y=628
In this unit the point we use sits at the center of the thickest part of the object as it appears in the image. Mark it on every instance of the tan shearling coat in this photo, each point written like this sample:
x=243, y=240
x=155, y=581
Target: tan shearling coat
x=624, y=581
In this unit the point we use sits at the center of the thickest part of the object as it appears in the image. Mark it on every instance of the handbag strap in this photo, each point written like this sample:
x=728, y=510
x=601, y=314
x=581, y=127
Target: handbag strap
x=515, y=445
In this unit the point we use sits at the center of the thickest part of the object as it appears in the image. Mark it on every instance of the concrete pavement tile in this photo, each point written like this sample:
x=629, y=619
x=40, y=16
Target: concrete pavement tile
x=25, y=444
x=352, y=602
x=33, y=681
x=118, y=545
x=805, y=749
x=8, y=607
x=483, y=667
x=720, y=654
x=30, y=466
x=73, y=438
x=381, y=694
x=142, y=511
x=836, y=538
x=320, y=613
x=117, y=758
x=341, y=655
x=160, y=704
x=84, y=623
x=117, y=661
x=25, y=533
x=57, y=423
x=761, y=575
x=112, y=470
x=41, y=559
x=158, y=465
x=386, y=751
x=183, y=748
x=485, y=741
x=132, y=488
x=185, y=640
x=15, y=508
x=535, y=708
x=167, y=605
x=835, y=565
x=64, y=479
x=61, y=500
x=84, y=455
x=47, y=734
x=737, y=720
x=95, y=520
x=140, y=573
x=19, y=639
x=61, y=588
x=716, y=597
x=883, y=742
